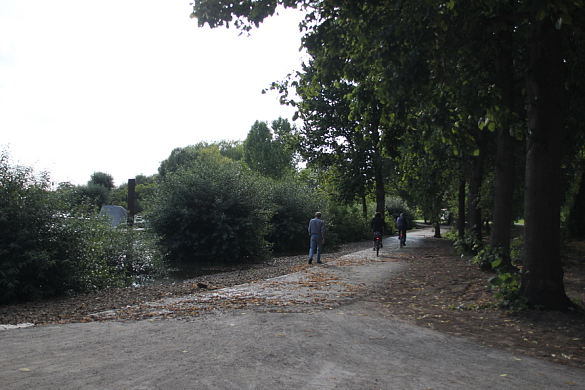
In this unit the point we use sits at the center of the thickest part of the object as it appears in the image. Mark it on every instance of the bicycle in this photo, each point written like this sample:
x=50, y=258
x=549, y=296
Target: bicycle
x=377, y=242
x=402, y=238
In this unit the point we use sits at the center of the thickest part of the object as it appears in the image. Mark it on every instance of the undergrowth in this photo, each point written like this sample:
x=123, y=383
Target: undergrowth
x=505, y=284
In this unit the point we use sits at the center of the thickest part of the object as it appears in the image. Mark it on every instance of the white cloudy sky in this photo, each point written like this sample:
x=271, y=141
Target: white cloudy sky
x=115, y=85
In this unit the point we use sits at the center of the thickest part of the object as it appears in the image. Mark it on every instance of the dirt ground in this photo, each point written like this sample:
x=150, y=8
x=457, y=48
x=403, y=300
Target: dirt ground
x=358, y=321
x=438, y=290
x=441, y=291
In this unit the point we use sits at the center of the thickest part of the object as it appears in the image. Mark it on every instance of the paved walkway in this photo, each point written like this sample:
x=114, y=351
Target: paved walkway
x=308, y=330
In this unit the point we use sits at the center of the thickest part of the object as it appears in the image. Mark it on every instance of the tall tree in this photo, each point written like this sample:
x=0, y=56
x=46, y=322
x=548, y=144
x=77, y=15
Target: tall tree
x=429, y=170
x=401, y=49
x=507, y=144
x=270, y=153
x=103, y=179
x=333, y=137
x=542, y=279
x=185, y=157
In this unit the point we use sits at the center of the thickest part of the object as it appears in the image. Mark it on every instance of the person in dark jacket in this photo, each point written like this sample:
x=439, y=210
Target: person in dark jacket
x=378, y=226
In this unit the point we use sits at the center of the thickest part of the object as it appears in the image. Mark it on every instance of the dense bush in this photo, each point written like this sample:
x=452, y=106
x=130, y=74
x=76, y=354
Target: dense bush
x=346, y=223
x=48, y=250
x=506, y=283
x=394, y=207
x=212, y=210
x=29, y=236
x=487, y=256
x=294, y=206
x=469, y=244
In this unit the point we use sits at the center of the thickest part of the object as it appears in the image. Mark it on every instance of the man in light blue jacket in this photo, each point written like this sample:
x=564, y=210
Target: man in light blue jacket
x=317, y=233
x=402, y=225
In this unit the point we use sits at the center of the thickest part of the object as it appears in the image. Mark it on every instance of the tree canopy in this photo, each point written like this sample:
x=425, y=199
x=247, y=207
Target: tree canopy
x=460, y=68
x=268, y=151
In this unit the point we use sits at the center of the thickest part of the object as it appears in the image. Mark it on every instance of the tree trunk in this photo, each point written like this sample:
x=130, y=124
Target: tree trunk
x=380, y=194
x=542, y=276
x=504, y=191
x=461, y=206
x=477, y=164
x=576, y=219
x=377, y=160
x=437, y=230
x=506, y=151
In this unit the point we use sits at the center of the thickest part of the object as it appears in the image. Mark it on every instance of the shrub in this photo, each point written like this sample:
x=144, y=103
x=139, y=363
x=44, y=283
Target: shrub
x=516, y=249
x=394, y=207
x=345, y=223
x=506, y=287
x=116, y=257
x=48, y=250
x=469, y=244
x=212, y=210
x=506, y=282
x=485, y=257
x=451, y=234
x=29, y=235
x=295, y=205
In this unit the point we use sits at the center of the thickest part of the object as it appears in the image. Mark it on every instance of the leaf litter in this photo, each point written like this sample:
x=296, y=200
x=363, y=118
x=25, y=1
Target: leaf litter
x=438, y=290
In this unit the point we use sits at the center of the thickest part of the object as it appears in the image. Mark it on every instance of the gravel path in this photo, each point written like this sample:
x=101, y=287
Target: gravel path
x=327, y=338
x=81, y=307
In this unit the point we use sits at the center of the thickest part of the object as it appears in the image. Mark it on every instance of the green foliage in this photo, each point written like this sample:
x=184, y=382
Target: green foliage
x=469, y=244
x=94, y=194
x=188, y=156
x=97, y=192
x=506, y=282
x=452, y=234
x=429, y=181
x=47, y=249
x=212, y=210
x=506, y=287
x=295, y=205
x=349, y=146
x=234, y=150
x=144, y=190
x=345, y=223
x=394, y=207
x=270, y=153
x=105, y=257
x=516, y=249
x=26, y=237
x=489, y=258
x=103, y=179
x=121, y=255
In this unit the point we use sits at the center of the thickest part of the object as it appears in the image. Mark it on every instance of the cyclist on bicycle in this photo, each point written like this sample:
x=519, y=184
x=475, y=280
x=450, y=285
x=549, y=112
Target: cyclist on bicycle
x=401, y=225
x=378, y=225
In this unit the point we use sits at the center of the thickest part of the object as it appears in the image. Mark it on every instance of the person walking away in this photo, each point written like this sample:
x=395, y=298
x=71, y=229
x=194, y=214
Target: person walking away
x=401, y=225
x=378, y=226
x=317, y=233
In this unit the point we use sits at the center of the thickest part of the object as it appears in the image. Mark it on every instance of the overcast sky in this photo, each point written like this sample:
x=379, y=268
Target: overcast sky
x=115, y=85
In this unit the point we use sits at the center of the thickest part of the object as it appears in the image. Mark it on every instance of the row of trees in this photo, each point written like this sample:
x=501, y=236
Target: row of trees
x=437, y=95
